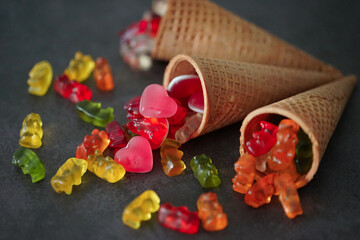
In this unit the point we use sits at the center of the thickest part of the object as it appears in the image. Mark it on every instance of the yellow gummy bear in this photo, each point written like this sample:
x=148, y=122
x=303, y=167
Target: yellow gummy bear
x=40, y=77
x=105, y=167
x=140, y=209
x=69, y=174
x=80, y=67
x=31, y=131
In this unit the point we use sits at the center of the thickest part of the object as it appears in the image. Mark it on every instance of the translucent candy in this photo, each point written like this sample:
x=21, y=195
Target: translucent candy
x=304, y=154
x=261, y=192
x=40, y=77
x=102, y=74
x=72, y=90
x=263, y=140
x=136, y=156
x=196, y=102
x=116, y=135
x=192, y=123
x=156, y=103
x=245, y=172
x=80, y=67
x=184, y=86
x=98, y=140
x=171, y=158
x=179, y=117
x=31, y=132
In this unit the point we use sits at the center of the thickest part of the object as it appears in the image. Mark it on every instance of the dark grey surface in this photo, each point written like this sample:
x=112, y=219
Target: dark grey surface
x=31, y=31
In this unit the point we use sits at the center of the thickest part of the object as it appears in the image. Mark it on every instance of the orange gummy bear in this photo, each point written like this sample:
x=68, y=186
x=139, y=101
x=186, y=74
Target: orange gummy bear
x=288, y=195
x=283, y=152
x=211, y=212
x=171, y=158
x=261, y=192
x=97, y=141
x=103, y=76
x=245, y=172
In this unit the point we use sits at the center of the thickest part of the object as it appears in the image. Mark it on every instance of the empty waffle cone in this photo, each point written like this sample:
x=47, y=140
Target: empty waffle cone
x=317, y=112
x=233, y=89
x=201, y=28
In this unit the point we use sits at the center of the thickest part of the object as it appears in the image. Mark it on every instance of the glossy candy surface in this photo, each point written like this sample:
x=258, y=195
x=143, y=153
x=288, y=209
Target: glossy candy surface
x=29, y=163
x=171, y=158
x=304, y=154
x=40, y=77
x=80, y=67
x=31, y=131
x=196, y=102
x=91, y=112
x=156, y=103
x=105, y=167
x=263, y=140
x=136, y=156
x=179, y=117
x=140, y=209
x=178, y=218
x=154, y=130
x=211, y=212
x=96, y=141
x=72, y=90
x=116, y=135
x=205, y=171
x=192, y=123
x=283, y=152
x=132, y=106
x=183, y=86
x=69, y=174
x=102, y=74
x=288, y=195
x=245, y=173
x=261, y=192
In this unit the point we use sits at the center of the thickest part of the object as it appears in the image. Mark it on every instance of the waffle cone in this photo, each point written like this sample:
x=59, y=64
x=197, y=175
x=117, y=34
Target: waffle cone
x=317, y=111
x=233, y=89
x=201, y=28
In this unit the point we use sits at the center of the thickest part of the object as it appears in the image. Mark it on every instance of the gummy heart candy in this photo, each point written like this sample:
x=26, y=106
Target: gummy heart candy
x=196, y=102
x=184, y=86
x=156, y=103
x=154, y=130
x=136, y=156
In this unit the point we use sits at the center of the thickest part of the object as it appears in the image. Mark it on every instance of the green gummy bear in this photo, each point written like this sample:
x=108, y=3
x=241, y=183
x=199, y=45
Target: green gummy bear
x=91, y=112
x=29, y=163
x=304, y=155
x=205, y=171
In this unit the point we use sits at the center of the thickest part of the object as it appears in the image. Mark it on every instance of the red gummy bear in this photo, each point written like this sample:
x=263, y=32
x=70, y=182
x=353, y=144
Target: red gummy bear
x=132, y=106
x=261, y=192
x=97, y=141
x=116, y=135
x=153, y=129
x=178, y=118
x=262, y=140
x=72, y=90
x=178, y=218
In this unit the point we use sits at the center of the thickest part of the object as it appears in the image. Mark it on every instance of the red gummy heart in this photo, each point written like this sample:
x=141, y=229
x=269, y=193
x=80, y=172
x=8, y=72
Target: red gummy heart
x=156, y=103
x=136, y=156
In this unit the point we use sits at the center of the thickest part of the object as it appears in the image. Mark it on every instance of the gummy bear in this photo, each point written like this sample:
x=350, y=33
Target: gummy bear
x=171, y=158
x=80, y=67
x=105, y=167
x=262, y=140
x=103, y=76
x=283, y=152
x=288, y=195
x=132, y=106
x=97, y=141
x=40, y=77
x=304, y=154
x=261, y=192
x=91, y=112
x=69, y=174
x=140, y=209
x=245, y=172
x=211, y=213
x=179, y=117
x=153, y=129
x=205, y=171
x=116, y=135
x=156, y=103
x=178, y=218
x=72, y=90
x=29, y=163
x=192, y=123
x=31, y=131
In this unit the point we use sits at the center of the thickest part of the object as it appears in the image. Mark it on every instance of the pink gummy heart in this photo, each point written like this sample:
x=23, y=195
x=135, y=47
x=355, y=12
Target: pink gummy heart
x=156, y=103
x=196, y=102
x=184, y=86
x=136, y=156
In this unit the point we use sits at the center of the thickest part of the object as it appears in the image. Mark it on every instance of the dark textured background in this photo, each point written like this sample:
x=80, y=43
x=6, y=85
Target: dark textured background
x=31, y=31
